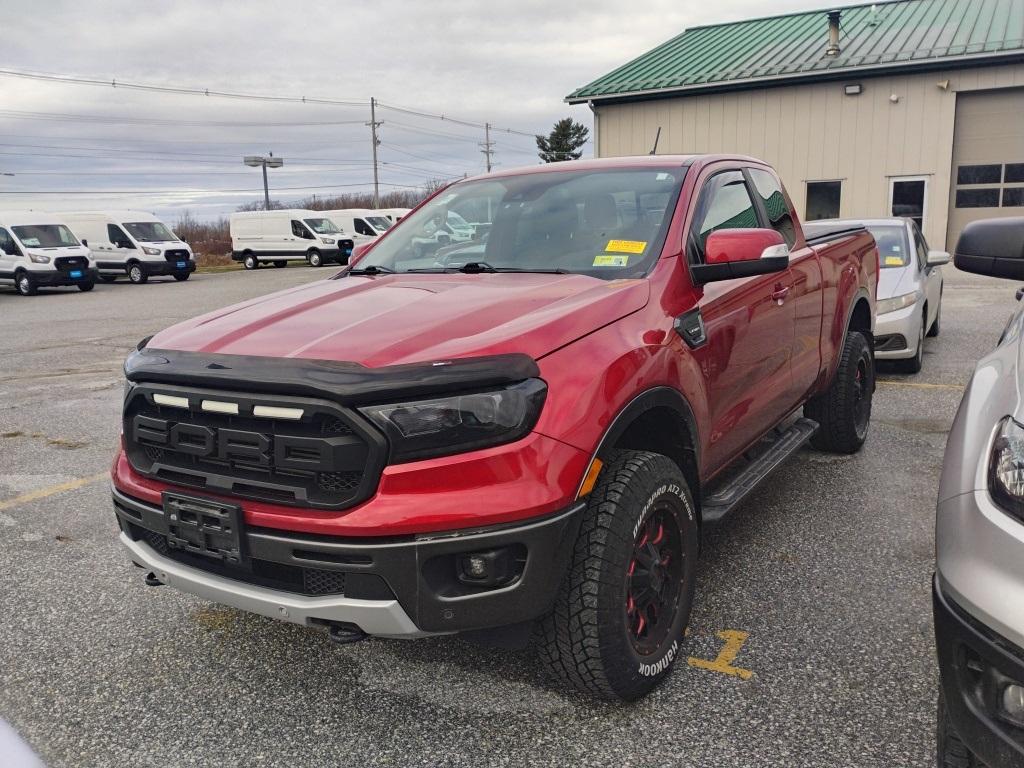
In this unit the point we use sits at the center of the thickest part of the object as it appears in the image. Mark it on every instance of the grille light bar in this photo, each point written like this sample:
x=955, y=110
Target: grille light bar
x=171, y=401
x=273, y=412
x=217, y=406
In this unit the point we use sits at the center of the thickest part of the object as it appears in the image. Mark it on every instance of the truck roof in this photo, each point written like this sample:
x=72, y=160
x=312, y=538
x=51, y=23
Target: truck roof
x=296, y=212
x=629, y=161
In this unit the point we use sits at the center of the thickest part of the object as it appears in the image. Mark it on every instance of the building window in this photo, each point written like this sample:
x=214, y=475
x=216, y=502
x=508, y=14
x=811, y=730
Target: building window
x=979, y=174
x=977, y=198
x=823, y=200
x=907, y=197
x=1013, y=197
x=1014, y=173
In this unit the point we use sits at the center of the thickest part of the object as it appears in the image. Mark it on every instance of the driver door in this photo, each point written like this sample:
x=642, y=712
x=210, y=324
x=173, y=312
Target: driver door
x=8, y=254
x=121, y=247
x=746, y=360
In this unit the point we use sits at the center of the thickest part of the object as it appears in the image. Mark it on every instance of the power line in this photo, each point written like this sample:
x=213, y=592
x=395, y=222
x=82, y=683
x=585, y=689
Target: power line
x=101, y=192
x=12, y=114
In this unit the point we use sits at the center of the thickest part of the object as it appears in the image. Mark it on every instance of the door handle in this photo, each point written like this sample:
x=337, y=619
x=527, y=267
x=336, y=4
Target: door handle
x=779, y=294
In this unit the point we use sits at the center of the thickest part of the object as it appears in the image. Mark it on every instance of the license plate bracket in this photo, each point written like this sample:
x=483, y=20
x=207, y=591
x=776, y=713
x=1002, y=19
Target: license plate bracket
x=182, y=264
x=76, y=274
x=205, y=527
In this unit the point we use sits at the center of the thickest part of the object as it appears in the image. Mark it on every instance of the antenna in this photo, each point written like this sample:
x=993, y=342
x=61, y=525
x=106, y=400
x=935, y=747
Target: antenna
x=654, y=149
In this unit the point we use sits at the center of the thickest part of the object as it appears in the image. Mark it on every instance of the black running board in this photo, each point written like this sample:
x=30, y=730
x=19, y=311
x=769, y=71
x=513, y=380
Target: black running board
x=783, y=444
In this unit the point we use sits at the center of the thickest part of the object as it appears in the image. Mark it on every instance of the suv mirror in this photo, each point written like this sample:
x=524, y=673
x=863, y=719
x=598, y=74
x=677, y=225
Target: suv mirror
x=993, y=247
x=937, y=258
x=732, y=253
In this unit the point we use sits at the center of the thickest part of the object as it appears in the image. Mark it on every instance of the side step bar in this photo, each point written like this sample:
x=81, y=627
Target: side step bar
x=783, y=444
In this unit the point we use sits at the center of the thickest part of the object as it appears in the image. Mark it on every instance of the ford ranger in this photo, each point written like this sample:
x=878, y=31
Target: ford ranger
x=529, y=437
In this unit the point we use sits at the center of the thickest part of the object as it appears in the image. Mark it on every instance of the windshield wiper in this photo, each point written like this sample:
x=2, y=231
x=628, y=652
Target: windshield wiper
x=372, y=269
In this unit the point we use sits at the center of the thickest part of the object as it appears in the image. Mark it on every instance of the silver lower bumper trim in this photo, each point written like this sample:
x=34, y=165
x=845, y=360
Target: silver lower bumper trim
x=384, y=618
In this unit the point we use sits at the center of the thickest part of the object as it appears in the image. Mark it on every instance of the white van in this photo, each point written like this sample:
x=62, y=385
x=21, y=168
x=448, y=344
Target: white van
x=38, y=249
x=361, y=224
x=287, y=235
x=395, y=214
x=132, y=243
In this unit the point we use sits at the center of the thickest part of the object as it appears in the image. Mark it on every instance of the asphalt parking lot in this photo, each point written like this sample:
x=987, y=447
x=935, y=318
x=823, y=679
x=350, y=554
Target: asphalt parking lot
x=810, y=643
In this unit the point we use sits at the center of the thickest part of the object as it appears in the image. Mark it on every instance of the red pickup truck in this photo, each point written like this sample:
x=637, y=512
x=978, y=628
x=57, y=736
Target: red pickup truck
x=525, y=432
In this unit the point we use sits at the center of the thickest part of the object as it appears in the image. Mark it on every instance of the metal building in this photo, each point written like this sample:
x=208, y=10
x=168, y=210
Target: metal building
x=911, y=108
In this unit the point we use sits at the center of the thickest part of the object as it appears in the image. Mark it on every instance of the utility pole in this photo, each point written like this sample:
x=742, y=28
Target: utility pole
x=255, y=161
x=376, y=142
x=488, y=145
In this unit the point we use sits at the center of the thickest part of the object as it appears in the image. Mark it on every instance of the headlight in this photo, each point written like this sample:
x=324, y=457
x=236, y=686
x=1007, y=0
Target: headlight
x=38, y=258
x=885, y=306
x=327, y=241
x=425, y=428
x=1006, y=468
x=150, y=251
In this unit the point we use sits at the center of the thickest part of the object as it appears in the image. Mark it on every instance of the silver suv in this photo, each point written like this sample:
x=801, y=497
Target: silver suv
x=979, y=535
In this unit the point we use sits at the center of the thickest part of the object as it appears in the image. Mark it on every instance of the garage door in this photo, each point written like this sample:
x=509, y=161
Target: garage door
x=988, y=158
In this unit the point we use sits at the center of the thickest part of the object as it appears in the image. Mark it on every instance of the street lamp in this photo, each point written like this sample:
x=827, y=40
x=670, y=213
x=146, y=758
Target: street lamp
x=255, y=161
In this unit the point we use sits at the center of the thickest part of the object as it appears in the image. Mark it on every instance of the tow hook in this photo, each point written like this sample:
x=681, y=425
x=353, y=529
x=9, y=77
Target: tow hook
x=152, y=580
x=345, y=634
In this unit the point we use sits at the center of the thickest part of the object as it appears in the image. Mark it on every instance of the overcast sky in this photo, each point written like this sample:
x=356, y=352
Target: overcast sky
x=508, y=63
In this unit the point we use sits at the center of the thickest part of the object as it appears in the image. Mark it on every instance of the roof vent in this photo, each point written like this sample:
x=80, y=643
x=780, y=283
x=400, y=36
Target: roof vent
x=833, y=33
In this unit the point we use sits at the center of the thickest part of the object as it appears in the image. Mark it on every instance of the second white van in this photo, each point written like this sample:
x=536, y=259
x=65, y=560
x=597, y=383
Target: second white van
x=361, y=224
x=135, y=244
x=277, y=237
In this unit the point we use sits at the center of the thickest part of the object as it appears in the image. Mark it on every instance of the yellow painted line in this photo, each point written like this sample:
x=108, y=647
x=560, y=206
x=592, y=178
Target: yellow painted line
x=734, y=640
x=43, y=493
x=920, y=385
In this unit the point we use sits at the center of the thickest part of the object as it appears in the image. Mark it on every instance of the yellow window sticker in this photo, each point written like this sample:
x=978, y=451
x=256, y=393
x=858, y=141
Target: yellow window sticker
x=626, y=246
x=893, y=261
x=605, y=260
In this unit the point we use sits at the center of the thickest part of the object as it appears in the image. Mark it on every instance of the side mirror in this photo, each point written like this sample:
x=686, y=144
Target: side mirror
x=937, y=258
x=732, y=253
x=85, y=242
x=993, y=247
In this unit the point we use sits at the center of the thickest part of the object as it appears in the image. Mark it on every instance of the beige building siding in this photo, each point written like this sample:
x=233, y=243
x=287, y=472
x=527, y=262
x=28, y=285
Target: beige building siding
x=815, y=132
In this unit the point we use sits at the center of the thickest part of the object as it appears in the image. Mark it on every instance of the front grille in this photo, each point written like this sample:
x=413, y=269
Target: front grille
x=264, y=573
x=176, y=254
x=68, y=263
x=327, y=458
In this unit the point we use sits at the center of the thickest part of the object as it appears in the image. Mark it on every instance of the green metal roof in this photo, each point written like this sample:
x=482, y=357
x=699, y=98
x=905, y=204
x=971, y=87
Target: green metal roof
x=900, y=34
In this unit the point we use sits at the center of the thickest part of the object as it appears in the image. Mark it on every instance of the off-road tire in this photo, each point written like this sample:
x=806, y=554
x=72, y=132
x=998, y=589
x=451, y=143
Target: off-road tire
x=587, y=640
x=86, y=287
x=838, y=411
x=136, y=275
x=950, y=751
x=25, y=285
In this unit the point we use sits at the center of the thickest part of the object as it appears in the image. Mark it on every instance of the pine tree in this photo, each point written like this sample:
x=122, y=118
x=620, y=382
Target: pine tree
x=564, y=141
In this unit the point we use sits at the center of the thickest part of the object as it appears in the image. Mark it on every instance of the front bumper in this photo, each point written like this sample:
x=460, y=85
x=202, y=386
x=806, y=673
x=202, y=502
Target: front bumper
x=975, y=665
x=55, y=277
x=155, y=268
x=896, y=333
x=399, y=587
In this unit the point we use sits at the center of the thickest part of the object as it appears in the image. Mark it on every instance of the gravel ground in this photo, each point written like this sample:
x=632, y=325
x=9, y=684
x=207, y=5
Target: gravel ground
x=819, y=585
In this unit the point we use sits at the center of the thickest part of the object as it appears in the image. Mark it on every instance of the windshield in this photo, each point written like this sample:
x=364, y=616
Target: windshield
x=45, y=236
x=150, y=231
x=892, y=245
x=380, y=223
x=322, y=226
x=608, y=224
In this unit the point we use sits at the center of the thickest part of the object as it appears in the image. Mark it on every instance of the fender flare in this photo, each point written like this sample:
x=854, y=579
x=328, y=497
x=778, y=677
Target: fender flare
x=648, y=399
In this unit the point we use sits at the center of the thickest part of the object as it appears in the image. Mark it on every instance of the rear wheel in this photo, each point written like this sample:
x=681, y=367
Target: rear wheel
x=250, y=262
x=136, y=274
x=25, y=284
x=618, y=620
x=950, y=751
x=281, y=264
x=315, y=259
x=86, y=287
x=844, y=411
x=182, y=277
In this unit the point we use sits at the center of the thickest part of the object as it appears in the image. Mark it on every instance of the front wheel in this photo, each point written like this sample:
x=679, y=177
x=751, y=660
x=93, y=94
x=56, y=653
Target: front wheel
x=915, y=363
x=950, y=751
x=315, y=259
x=86, y=287
x=182, y=278
x=618, y=620
x=25, y=284
x=136, y=275
x=250, y=261
x=844, y=411
x=935, y=329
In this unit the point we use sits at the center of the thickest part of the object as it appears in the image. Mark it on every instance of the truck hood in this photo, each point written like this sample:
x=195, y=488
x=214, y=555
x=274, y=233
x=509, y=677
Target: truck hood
x=398, y=319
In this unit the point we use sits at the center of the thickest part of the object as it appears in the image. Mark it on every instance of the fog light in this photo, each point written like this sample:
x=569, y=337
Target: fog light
x=490, y=568
x=1013, y=704
x=475, y=566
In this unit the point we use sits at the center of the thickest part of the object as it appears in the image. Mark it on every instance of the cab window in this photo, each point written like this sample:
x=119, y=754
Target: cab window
x=117, y=236
x=7, y=244
x=774, y=201
x=725, y=203
x=362, y=228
